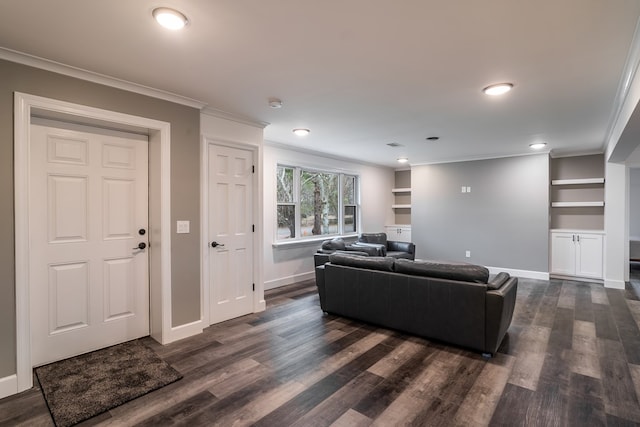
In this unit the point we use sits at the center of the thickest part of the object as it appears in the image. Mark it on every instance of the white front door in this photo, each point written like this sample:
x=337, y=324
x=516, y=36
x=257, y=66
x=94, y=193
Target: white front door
x=88, y=212
x=230, y=232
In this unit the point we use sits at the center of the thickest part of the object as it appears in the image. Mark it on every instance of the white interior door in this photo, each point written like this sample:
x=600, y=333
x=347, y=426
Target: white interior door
x=88, y=205
x=230, y=232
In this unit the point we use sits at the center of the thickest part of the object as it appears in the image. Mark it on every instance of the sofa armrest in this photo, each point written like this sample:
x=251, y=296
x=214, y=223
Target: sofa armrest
x=408, y=247
x=320, y=285
x=500, y=304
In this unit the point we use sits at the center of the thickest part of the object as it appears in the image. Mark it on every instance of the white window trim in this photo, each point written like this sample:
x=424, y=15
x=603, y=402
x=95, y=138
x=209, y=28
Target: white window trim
x=299, y=241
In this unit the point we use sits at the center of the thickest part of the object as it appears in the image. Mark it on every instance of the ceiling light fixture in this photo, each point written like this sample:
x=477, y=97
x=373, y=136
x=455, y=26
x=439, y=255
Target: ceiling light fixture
x=403, y=159
x=301, y=132
x=538, y=145
x=498, y=89
x=170, y=18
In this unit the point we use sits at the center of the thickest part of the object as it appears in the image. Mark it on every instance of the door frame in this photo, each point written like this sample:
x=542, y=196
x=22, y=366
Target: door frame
x=259, y=303
x=26, y=106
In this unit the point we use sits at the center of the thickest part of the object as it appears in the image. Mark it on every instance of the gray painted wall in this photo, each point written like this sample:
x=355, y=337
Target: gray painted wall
x=185, y=185
x=504, y=221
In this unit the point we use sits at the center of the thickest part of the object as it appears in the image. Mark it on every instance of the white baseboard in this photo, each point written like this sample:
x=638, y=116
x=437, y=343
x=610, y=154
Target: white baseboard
x=8, y=386
x=614, y=284
x=527, y=274
x=289, y=280
x=185, y=331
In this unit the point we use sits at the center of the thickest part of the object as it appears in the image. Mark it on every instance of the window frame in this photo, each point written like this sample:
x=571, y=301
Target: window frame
x=297, y=174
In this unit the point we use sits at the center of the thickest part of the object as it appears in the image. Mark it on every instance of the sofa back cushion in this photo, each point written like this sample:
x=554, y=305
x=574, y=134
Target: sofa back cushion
x=379, y=238
x=443, y=270
x=370, y=262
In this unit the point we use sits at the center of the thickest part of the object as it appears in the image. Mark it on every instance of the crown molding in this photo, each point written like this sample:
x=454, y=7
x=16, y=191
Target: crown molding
x=302, y=150
x=214, y=112
x=480, y=158
x=79, y=73
x=619, y=112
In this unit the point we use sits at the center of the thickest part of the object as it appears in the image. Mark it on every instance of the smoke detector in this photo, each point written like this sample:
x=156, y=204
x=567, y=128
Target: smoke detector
x=275, y=103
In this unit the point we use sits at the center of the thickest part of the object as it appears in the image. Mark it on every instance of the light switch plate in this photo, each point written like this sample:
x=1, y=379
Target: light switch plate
x=183, y=227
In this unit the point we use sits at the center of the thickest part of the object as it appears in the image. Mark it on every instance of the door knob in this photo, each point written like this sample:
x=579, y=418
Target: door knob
x=216, y=244
x=141, y=246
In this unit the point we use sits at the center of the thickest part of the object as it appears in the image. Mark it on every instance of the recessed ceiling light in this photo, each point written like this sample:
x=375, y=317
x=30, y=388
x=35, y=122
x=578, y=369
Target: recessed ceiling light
x=498, y=89
x=301, y=132
x=403, y=159
x=170, y=18
x=538, y=145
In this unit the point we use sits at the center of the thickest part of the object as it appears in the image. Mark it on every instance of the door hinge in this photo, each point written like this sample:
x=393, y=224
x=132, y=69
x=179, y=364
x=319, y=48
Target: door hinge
x=253, y=228
x=254, y=287
x=253, y=169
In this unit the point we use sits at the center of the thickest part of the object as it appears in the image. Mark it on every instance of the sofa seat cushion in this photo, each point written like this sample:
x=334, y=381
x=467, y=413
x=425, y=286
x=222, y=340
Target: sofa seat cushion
x=444, y=270
x=371, y=262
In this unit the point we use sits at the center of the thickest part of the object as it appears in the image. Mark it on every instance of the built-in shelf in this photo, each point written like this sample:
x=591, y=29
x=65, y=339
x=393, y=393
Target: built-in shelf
x=575, y=204
x=401, y=190
x=401, y=206
x=578, y=181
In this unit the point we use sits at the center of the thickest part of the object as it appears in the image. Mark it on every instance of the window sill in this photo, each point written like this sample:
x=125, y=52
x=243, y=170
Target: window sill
x=309, y=241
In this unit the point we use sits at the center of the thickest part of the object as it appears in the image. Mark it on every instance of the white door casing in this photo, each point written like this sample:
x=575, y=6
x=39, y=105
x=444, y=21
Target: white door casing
x=230, y=225
x=25, y=107
x=88, y=201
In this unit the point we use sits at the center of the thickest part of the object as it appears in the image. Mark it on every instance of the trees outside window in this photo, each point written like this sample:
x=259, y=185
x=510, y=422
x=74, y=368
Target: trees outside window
x=315, y=203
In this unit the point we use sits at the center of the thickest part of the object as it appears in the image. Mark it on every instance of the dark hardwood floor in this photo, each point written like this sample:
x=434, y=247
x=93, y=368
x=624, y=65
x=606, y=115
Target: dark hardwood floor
x=571, y=358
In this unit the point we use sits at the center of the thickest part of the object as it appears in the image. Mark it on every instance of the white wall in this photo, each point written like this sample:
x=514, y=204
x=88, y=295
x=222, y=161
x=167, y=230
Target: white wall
x=616, y=225
x=634, y=203
x=288, y=264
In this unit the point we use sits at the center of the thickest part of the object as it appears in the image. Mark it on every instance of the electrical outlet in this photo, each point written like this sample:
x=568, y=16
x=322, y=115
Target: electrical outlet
x=467, y=254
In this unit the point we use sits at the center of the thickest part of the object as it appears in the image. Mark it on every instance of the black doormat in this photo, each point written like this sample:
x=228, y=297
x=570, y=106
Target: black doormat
x=84, y=386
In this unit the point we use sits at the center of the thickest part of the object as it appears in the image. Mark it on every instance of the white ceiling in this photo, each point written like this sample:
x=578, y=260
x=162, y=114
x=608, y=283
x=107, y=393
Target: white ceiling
x=362, y=73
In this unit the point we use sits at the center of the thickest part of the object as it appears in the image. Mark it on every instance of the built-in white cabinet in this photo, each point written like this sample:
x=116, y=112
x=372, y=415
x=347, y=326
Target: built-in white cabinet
x=398, y=233
x=577, y=253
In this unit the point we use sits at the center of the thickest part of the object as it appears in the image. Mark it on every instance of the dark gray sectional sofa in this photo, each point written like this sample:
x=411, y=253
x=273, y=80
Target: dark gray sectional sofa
x=451, y=302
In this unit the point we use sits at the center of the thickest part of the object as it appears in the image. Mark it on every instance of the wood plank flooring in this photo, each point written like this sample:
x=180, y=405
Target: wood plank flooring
x=571, y=358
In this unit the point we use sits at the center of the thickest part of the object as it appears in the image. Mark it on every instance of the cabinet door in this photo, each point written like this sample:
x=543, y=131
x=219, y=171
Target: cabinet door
x=393, y=233
x=398, y=234
x=563, y=253
x=589, y=255
x=406, y=234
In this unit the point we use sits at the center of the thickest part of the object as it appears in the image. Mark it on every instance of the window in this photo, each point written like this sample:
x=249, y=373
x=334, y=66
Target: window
x=315, y=203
